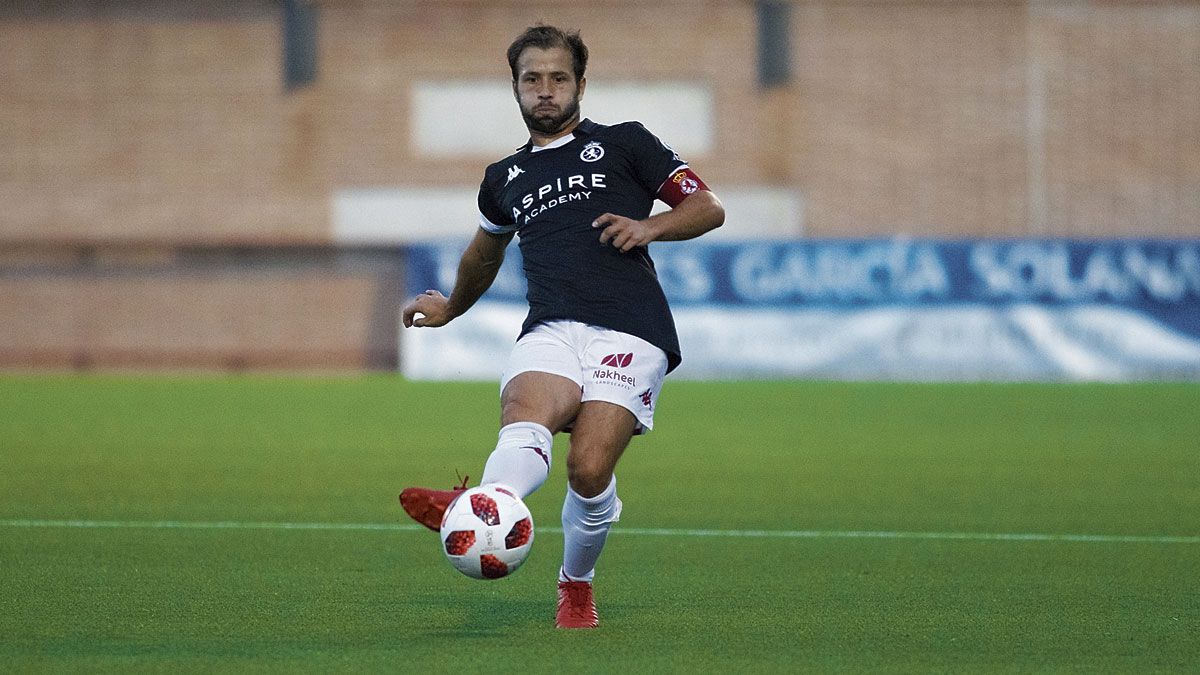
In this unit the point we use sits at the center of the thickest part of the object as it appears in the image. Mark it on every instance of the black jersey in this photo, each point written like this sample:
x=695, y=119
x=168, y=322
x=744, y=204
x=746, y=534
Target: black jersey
x=550, y=198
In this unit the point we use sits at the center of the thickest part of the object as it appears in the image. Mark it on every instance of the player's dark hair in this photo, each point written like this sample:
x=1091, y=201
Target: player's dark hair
x=549, y=37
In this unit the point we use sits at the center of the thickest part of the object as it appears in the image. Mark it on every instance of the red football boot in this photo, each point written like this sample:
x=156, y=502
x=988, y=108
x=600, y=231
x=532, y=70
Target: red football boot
x=576, y=607
x=427, y=506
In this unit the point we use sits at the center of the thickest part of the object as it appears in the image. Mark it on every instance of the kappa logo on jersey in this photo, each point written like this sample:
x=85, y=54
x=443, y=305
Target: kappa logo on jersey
x=513, y=172
x=592, y=152
x=617, y=360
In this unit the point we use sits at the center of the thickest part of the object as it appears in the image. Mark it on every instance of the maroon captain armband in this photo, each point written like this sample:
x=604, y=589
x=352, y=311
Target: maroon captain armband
x=682, y=183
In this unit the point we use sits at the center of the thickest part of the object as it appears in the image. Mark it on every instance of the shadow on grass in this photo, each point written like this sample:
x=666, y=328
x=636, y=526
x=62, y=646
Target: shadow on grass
x=471, y=616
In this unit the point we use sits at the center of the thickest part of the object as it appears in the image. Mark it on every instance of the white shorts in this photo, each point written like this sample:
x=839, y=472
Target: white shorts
x=606, y=364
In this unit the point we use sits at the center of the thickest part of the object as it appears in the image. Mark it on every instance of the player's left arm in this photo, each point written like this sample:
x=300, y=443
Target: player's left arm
x=696, y=214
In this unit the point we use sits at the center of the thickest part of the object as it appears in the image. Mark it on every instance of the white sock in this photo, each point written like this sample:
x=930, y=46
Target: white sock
x=521, y=459
x=586, y=521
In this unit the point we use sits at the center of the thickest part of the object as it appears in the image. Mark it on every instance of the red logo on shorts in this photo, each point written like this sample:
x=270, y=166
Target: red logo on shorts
x=647, y=398
x=617, y=360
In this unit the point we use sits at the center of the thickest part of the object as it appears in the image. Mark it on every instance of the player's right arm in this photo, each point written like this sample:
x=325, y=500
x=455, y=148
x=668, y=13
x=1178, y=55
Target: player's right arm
x=476, y=271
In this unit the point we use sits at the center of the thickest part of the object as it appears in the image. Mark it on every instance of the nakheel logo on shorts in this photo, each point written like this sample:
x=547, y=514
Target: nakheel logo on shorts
x=617, y=360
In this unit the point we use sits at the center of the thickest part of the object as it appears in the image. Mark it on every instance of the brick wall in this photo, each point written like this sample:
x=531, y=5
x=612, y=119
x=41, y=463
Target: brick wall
x=1121, y=140
x=107, y=307
x=154, y=124
x=922, y=118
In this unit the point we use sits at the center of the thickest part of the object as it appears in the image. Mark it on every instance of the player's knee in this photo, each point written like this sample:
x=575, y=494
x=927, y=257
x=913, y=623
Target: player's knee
x=588, y=476
x=514, y=408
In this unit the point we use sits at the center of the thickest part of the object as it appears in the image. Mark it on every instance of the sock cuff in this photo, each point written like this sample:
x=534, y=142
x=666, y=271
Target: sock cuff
x=542, y=433
x=608, y=493
x=564, y=577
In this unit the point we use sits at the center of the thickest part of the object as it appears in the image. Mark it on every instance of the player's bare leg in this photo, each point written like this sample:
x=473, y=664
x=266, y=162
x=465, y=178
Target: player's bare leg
x=601, y=433
x=534, y=406
x=543, y=398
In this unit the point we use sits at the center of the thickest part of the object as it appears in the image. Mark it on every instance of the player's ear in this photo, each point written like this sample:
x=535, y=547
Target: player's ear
x=582, y=86
x=516, y=94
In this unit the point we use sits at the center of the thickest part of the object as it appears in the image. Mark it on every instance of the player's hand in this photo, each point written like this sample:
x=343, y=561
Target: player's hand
x=433, y=308
x=623, y=233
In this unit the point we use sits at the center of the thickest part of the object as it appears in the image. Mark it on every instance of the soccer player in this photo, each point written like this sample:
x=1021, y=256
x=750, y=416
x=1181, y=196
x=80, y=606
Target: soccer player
x=599, y=337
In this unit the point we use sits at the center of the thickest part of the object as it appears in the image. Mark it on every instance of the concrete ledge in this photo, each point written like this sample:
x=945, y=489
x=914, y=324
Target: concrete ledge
x=414, y=214
x=480, y=117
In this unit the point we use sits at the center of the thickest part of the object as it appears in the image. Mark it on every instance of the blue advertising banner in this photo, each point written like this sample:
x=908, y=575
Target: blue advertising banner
x=886, y=309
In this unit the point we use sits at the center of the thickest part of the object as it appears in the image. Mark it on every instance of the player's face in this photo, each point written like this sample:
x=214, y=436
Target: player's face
x=546, y=89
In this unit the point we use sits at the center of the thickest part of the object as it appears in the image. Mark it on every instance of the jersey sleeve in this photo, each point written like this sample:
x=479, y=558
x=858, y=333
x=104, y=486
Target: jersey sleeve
x=492, y=217
x=654, y=161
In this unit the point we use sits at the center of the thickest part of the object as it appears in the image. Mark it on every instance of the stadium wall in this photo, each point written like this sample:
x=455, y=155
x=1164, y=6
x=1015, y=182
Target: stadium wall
x=167, y=203
x=169, y=120
x=118, y=307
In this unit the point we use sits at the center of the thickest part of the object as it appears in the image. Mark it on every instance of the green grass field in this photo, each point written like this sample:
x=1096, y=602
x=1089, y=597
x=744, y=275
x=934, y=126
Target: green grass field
x=184, y=495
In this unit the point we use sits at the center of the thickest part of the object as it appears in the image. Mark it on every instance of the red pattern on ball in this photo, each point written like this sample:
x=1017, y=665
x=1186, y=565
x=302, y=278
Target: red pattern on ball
x=492, y=567
x=459, y=542
x=485, y=507
x=519, y=534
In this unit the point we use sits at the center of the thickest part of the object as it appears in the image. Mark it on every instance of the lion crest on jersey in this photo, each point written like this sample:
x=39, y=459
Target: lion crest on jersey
x=592, y=152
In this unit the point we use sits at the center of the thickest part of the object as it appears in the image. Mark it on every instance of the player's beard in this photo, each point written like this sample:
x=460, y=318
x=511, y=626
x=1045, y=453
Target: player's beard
x=551, y=124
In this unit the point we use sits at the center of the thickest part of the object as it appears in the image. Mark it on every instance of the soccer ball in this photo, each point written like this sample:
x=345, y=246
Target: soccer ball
x=487, y=532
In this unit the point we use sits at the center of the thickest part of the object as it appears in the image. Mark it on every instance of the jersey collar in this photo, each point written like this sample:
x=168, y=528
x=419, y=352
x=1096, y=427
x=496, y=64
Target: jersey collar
x=556, y=143
x=586, y=127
